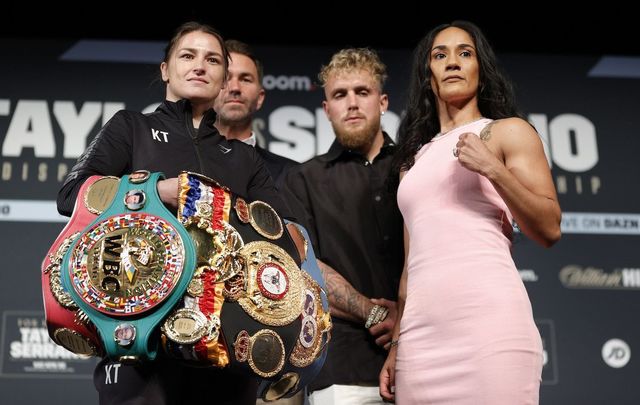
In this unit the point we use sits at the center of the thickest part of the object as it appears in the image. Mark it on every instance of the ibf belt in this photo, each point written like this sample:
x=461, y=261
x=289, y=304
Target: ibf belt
x=129, y=267
x=309, y=352
x=192, y=332
x=68, y=326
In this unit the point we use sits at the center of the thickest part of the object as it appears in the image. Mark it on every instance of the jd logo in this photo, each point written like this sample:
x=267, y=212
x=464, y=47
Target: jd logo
x=616, y=353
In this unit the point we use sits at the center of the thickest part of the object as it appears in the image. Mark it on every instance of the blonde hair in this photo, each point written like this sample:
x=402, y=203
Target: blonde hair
x=351, y=59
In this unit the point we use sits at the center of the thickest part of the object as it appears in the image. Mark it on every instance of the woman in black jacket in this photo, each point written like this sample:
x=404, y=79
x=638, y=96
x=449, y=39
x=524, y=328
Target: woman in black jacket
x=178, y=136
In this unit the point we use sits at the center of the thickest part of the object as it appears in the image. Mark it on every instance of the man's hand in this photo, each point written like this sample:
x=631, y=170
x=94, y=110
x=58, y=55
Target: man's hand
x=383, y=330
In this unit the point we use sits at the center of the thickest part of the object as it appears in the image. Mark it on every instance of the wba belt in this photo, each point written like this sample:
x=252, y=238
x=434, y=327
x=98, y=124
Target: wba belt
x=249, y=306
x=129, y=267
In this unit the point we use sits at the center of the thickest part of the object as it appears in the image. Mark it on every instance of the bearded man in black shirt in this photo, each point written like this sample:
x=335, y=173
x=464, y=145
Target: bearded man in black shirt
x=346, y=198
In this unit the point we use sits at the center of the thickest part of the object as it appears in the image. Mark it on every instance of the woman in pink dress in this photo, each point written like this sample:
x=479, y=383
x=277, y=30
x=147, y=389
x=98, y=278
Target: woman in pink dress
x=469, y=165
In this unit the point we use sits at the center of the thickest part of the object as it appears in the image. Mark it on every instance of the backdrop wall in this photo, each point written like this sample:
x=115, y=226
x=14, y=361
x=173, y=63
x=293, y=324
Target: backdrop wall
x=54, y=97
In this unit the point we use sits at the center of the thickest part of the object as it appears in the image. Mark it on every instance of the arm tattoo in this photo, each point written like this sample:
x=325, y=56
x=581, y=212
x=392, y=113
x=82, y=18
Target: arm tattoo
x=345, y=301
x=485, y=134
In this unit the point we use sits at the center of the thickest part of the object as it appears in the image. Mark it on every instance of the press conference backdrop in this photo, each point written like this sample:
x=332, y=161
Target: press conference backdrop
x=54, y=97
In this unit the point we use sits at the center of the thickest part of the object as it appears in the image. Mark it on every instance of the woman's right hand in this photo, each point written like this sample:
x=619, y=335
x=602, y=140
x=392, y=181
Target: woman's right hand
x=387, y=377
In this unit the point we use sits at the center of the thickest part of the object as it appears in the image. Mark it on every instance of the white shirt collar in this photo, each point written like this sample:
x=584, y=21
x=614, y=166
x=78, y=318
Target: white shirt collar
x=252, y=140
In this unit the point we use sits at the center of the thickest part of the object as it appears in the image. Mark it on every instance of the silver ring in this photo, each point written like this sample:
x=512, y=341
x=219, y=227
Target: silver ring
x=456, y=152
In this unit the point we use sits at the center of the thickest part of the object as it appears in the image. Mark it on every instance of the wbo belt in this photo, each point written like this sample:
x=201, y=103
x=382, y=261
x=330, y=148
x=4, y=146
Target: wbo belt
x=129, y=267
x=309, y=352
x=66, y=323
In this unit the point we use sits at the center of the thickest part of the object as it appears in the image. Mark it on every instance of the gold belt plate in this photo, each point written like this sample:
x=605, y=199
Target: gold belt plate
x=274, y=294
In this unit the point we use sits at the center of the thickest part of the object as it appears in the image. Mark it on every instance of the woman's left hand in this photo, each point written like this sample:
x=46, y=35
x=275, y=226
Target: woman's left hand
x=168, y=191
x=387, y=377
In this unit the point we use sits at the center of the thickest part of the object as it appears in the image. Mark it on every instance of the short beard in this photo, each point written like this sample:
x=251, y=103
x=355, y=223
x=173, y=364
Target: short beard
x=234, y=117
x=360, y=139
x=234, y=120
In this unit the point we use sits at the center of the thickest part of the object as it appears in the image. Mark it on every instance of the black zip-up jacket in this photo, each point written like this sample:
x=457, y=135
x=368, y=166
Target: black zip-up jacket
x=166, y=141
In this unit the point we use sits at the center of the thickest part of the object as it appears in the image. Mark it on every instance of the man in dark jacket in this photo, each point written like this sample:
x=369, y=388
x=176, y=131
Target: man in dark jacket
x=239, y=100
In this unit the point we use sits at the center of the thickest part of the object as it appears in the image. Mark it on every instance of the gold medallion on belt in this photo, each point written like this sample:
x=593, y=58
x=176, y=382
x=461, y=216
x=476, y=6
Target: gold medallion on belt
x=315, y=323
x=264, y=351
x=262, y=217
x=99, y=195
x=218, y=250
x=55, y=280
x=274, y=284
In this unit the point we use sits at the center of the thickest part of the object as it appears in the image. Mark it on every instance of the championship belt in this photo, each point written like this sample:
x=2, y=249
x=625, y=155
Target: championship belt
x=309, y=353
x=66, y=323
x=244, y=306
x=129, y=267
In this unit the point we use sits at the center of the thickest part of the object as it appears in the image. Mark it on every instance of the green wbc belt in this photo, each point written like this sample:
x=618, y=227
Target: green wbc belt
x=129, y=267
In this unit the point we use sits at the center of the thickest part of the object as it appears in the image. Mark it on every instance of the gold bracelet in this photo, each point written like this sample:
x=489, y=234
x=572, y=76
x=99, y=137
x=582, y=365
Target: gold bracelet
x=393, y=343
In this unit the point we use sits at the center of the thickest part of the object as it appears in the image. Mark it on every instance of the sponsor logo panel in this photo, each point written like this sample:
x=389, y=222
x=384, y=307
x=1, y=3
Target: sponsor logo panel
x=590, y=277
x=27, y=350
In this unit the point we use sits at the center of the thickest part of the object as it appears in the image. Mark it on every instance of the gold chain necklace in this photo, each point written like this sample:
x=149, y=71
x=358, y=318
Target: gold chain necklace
x=441, y=134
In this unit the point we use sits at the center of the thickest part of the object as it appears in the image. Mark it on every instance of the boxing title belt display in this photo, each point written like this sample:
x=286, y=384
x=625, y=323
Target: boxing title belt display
x=309, y=353
x=129, y=267
x=66, y=323
x=245, y=306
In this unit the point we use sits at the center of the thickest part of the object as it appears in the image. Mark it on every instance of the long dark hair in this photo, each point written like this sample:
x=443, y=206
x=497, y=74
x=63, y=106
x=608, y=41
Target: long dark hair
x=192, y=26
x=420, y=124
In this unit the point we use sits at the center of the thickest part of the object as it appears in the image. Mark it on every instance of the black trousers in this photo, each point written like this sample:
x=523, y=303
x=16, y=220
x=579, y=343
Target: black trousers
x=167, y=382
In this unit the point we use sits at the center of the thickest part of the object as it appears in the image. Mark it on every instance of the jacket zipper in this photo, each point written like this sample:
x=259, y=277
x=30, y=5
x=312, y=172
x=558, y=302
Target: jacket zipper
x=194, y=137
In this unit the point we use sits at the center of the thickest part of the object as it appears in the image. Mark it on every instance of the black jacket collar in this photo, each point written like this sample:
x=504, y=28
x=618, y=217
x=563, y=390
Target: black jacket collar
x=182, y=108
x=337, y=150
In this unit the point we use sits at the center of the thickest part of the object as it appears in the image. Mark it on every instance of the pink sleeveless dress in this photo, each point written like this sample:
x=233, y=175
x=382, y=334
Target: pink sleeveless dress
x=467, y=335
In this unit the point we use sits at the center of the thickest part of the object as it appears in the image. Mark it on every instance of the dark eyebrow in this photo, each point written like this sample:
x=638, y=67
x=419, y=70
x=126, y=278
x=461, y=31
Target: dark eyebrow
x=461, y=46
x=194, y=50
